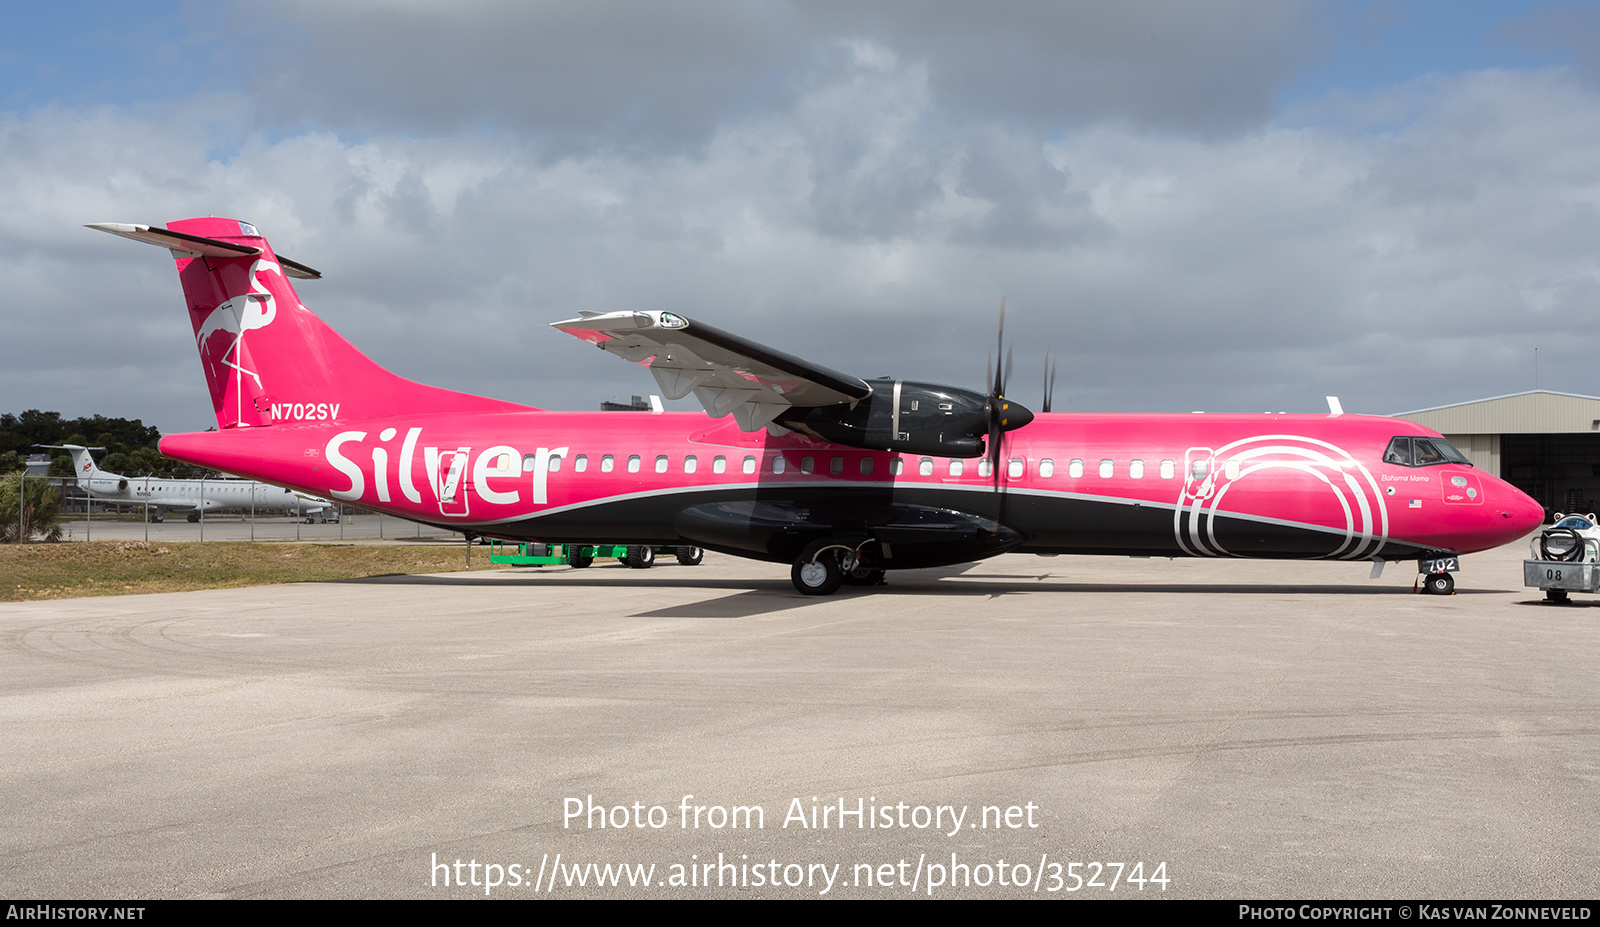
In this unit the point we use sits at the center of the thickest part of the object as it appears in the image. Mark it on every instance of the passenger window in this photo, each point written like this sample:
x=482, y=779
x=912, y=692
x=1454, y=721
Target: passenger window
x=1047, y=468
x=719, y=464
x=1168, y=469
x=555, y=463
x=1014, y=468
x=779, y=464
x=690, y=464
x=1197, y=470
x=925, y=468
x=836, y=466
x=1105, y=469
x=955, y=467
x=581, y=465
x=983, y=468
x=607, y=463
x=1231, y=469
x=896, y=467
x=633, y=463
x=749, y=465
x=1136, y=469
x=807, y=464
x=866, y=466
x=1075, y=468
x=529, y=461
x=661, y=463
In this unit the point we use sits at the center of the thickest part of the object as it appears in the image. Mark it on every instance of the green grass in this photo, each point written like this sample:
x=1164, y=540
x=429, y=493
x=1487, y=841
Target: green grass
x=61, y=571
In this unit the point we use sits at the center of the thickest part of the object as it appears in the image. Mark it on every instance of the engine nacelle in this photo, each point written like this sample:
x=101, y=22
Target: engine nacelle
x=914, y=418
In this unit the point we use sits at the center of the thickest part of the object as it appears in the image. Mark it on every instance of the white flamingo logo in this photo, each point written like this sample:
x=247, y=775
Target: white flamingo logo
x=243, y=313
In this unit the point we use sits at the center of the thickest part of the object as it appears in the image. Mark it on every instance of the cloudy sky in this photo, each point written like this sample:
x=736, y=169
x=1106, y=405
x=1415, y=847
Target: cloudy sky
x=1238, y=205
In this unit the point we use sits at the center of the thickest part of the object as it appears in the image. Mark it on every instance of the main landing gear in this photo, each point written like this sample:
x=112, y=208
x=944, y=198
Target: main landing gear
x=826, y=564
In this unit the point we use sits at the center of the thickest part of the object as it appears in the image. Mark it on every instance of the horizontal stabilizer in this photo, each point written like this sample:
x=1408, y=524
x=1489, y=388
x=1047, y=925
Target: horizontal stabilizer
x=183, y=245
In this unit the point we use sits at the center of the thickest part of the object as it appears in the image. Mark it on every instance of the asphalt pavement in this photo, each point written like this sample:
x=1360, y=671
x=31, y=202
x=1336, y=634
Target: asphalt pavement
x=1051, y=727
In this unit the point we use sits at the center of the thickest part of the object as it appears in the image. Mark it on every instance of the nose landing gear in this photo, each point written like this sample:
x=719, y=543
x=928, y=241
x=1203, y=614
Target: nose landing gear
x=1436, y=570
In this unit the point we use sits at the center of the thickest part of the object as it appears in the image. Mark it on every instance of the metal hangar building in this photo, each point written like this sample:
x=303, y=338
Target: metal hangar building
x=1545, y=443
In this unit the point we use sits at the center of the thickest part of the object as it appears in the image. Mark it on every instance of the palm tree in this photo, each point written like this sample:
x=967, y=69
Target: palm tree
x=29, y=512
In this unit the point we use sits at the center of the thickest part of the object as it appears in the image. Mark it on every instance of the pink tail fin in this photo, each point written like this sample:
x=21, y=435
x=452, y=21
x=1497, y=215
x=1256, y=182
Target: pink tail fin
x=267, y=358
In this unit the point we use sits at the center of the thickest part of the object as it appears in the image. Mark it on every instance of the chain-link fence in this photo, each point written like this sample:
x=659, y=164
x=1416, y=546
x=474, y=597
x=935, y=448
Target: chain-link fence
x=38, y=509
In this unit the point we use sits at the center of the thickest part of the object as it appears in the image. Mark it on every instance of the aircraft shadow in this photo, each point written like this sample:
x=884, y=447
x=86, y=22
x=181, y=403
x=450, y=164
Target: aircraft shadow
x=751, y=598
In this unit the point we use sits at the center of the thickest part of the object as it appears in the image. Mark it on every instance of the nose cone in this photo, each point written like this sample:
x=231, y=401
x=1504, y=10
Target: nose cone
x=1013, y=415
x=1521, y=511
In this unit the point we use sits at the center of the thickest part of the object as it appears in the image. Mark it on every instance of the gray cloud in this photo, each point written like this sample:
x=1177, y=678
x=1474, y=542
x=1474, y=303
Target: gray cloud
x=865, y=224
x=643, y=74
x=1157, y=63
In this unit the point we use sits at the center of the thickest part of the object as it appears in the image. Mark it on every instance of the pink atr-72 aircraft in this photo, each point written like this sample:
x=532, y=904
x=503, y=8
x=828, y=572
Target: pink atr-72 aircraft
x=841, y=477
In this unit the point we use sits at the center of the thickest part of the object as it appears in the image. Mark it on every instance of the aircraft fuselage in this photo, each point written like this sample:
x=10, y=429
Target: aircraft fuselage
x=1279, y=486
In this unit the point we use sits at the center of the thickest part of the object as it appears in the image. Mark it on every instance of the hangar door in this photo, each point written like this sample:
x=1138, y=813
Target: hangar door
x=1561, y=471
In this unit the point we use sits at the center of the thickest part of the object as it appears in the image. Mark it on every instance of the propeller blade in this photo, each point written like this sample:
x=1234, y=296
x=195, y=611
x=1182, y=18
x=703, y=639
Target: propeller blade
x=1049, y=380
x=1000, y=350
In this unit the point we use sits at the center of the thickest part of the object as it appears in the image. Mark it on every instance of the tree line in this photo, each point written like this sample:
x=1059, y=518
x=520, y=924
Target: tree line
x=130, y=444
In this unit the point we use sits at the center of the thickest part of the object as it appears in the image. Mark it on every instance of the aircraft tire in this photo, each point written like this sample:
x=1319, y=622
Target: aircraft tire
x=194, y=517
x=816, y=571
x=690, y=556
x=1439, y=584
x=642, y=557
x=1556, y=596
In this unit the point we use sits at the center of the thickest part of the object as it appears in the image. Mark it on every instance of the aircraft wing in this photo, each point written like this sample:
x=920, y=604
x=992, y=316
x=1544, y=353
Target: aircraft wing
x=728, y=374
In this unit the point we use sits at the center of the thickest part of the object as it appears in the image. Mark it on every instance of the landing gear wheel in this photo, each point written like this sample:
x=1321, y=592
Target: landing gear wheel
x=690, y=556
x=817, y=572
x=1439, y=584
x=580, y=557
x=863, y=577
x=640, y=558
x=1556, y=596
x=194, y=517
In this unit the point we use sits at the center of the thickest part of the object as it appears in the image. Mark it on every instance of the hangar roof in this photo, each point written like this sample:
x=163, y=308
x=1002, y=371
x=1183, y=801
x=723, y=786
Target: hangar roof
x=1534, y=412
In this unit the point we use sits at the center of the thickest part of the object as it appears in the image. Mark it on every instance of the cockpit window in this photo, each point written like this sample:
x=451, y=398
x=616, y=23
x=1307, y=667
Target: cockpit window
x=1424, y=454
x=1410, y=451
x=1399, y=452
